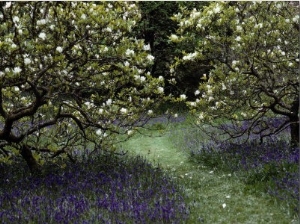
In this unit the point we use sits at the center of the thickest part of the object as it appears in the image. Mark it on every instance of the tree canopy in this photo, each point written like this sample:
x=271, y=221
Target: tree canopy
x=70, y=77
x=254, y=50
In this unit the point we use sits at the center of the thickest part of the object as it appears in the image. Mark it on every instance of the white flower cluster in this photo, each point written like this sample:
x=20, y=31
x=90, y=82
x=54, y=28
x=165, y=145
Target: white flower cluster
x=147, y=47
x=17, y=70
x=160, y=89
x=173, y=37
x=59, y=49
x=123, y=110
x=190, y=56
x=42, y=36
x=182, y=97
x=150, y=57
x=140, y=78
x=129, y=52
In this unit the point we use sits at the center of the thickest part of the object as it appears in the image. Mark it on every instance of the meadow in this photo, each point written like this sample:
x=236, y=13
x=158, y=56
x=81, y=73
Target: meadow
x=167, y=173
x=225, y=182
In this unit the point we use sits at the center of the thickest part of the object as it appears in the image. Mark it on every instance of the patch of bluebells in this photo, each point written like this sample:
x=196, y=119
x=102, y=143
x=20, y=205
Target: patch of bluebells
x=273, y=163
x=100, y=190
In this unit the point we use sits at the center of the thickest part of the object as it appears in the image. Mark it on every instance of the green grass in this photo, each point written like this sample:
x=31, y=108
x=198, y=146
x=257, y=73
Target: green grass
x=206, y=190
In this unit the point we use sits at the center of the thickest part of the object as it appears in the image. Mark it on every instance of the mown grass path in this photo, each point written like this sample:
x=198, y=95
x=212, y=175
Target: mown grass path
x=213, y=196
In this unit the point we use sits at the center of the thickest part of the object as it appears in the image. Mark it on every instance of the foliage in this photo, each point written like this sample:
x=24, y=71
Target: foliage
x=253, y=47
x=155, y=27
x=71, y=77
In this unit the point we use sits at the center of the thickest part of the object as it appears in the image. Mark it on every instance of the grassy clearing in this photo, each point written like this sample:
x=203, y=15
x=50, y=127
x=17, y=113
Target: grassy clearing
x=213, y=196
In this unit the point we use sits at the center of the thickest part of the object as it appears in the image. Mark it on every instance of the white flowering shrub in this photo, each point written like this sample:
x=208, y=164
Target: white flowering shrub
x=70, y=76
x=254, y=49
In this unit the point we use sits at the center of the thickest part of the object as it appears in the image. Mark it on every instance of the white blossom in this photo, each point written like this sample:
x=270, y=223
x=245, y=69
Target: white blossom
x=83, y=16
x=59, y=49
x=150, y=112
x=89, y=104
x=126, y=63
x=238, y=38
x=17, y=70
x=147, y=47
x=42, y=36
x=234, y=62
x=296, y=19
x=41, y=22
x=190, y=56
x=99, y=132
x=7, y=5
x=195, y=14
x=223, y=86
x=260, y=25
x=239, y=28
x=27, y=61
x=150, y=57
x=217, y=9
x=160, y=89
x=123, y=110
x=173, y=37
x=143, y=78
x=16, y=19
x=129, y=52
x=210, y=98
x=197, y=92
x=183, y=97
x=201, y=115
x=109, y=102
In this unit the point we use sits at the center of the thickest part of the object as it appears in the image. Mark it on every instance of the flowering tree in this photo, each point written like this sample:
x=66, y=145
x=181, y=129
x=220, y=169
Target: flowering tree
x=254, y=49
x=70, y=77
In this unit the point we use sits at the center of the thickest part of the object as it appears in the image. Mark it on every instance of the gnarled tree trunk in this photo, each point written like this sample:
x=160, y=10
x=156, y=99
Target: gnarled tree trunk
x=30, y=160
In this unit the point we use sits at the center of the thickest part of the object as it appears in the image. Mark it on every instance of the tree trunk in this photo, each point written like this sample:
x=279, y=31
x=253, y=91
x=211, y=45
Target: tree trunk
x=294, y=133
x=30, y=160
x=294, y=123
